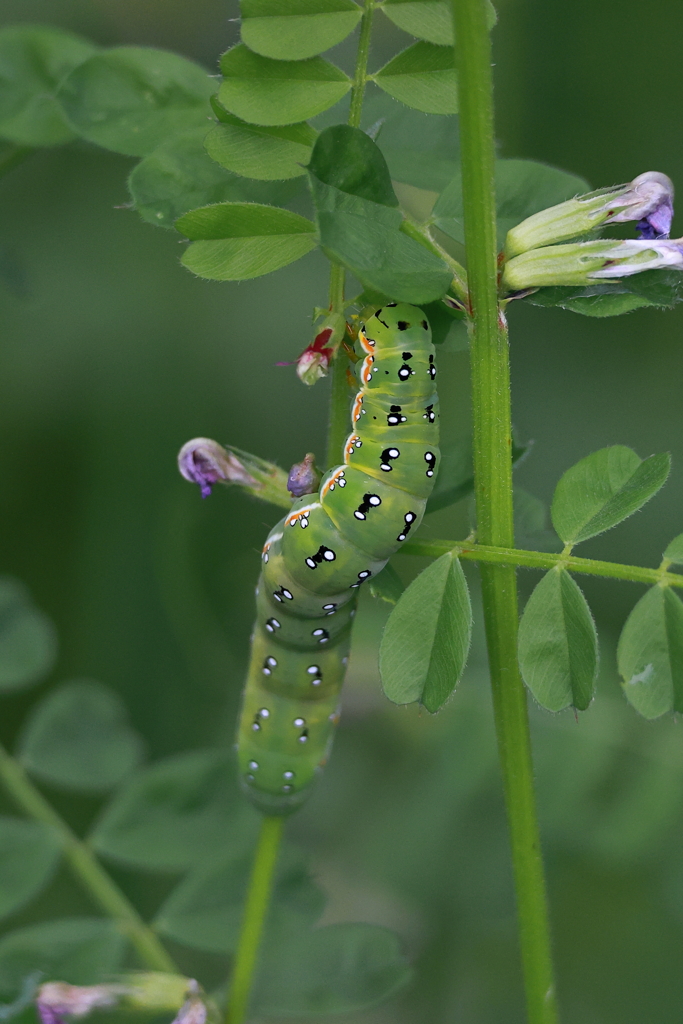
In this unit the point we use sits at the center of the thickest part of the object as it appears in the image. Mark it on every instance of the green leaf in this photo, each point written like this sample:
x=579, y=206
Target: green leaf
x=364, y=235
x=650, y=654
x=28, y=641
x=558, y=644
x=180, y=811
x=78, y=950
x=273, y=92
x=29, y=855
x=263, y=153
x=387, y=585
x=78, y=737
x=403, y=133
x=131, y=99
x=523, y=187
x=659, y=288
x=347, y=159
x=604, y=489
x=427, y=637
x=423, y=76
x=33, y=61
x=449, y=330
x=337, y=969
x=205, y=911
x=296, y=29
x=674, y=550
x=237, y=241
x=428, y=19
x=179, y=176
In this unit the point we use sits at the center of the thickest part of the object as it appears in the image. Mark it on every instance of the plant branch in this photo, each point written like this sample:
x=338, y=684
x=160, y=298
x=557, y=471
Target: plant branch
x=490, y=369
x=338, y=425
x=255, y=912
x=86, y=867
x=422, y=235
x=542, y=560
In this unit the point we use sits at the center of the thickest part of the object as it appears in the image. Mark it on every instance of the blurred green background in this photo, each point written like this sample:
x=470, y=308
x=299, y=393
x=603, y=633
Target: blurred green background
x=112, y=356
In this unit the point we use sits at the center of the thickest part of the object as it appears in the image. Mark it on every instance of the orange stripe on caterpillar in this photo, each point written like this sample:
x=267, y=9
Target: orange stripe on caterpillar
x=366, y=369
x=353, y=441
x=365, y=343
x=337, y=477
x=300, y=515
x=357, y=410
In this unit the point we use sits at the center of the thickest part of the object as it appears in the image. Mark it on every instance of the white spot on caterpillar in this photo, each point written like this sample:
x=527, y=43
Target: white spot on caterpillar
x=253, y=765
x=298, y=722
x=286, y=789
x=288, y=775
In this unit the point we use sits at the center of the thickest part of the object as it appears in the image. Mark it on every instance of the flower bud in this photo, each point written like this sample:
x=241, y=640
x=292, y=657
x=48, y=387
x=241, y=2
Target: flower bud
x=648, y=199
x=152, y=993
x=304, y=477
x=205, y=462
x=56, y=1000
x=314, y=361
x=585, y=262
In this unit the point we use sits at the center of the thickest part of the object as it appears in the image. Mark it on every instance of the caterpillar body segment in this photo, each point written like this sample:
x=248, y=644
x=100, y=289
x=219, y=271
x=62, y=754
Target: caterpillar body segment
x=318, y=556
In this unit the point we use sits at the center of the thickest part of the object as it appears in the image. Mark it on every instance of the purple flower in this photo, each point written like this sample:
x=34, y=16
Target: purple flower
x=205, y=462
x=652, y=203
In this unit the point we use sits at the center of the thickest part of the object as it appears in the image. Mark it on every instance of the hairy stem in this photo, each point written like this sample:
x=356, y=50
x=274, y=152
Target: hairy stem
x=255, y=911
x=422, y=235
x=493, y=490
x=542, y=560
x=86, y=867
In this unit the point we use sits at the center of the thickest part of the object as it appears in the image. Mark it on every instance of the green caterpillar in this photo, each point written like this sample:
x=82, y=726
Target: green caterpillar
x=318, y=555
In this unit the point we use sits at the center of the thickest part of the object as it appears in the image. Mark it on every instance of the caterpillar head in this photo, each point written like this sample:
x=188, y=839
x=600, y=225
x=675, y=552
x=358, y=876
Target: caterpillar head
x=395, y=325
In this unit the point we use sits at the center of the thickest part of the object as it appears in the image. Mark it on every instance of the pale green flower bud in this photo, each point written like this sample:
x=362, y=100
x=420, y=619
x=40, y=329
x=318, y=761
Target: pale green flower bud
x=648, y=199
x=585, y=262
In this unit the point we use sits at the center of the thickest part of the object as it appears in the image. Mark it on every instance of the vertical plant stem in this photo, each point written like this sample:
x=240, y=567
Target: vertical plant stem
x=255, y=911
x=493, y=488
x=86, y=867
x=338, y=424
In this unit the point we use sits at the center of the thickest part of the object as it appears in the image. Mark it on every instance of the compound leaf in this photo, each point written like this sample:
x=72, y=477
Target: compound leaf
x=131, y=99
x=263, y=153
x=33, y=61
x=428, y=19
x=347, y=159
x=237, y=241
x=650, y=653
x=296, y=29
x=78, y=950
x=180, y=176
x=423, y=77
x=28, y=641
x=558, y=644
x=275, y=92
x=427, y=637
x=29, y=855
x=205, y=911
x=79, y=737
x=603, y=489
x=185, y=809
x=336, y=969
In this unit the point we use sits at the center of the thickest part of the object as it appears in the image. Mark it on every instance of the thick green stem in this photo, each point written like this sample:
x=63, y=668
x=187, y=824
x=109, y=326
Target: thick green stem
x=361, y=73
x=493, y=490
x=255, y=912
x=86, y=867
x=542, y=560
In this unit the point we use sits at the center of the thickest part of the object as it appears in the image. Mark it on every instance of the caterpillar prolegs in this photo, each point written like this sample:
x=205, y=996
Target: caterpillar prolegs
x=318, y=555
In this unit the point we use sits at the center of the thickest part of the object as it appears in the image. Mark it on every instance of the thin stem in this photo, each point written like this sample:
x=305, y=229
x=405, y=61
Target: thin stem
x=255, y=911
x=543, y=560
x=361, y=73
x=86, y=867
x=338, y=425
x=422, y=235
x=493, y=490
